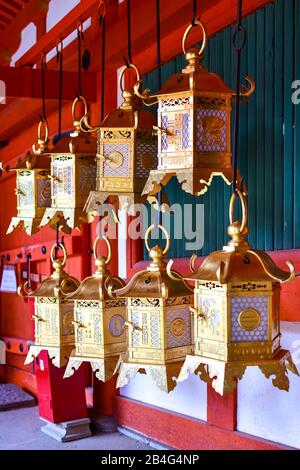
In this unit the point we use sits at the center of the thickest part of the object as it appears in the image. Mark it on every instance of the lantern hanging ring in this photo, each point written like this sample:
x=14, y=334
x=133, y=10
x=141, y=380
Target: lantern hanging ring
x=41, y=138
x=244, y=209
x=147, y=235
x=123, y=70
x=188, y=30
x=77, y=100
x=96, y=246
x=102, y=9
x=61, y=246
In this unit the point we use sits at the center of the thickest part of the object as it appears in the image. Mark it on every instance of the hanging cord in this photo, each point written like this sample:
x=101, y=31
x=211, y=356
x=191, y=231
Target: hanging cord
x=101, y=13
x=28, y=258
x=80, y=38
x=44, y=68
x=239, y=41
x=194, y=13
x=159, y=79
x=129, y=54
x=59, y=59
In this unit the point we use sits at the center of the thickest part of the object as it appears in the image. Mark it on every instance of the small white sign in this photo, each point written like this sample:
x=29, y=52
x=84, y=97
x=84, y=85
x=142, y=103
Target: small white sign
x=9, y=279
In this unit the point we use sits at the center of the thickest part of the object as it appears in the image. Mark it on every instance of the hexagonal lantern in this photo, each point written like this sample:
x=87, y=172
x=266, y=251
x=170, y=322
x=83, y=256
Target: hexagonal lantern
x=237, y=313
x=127, y=151
x=159, y=321
x=73, y=175
x=99, y=320
x=54, y=314
x=194, y=111
x=32, y=186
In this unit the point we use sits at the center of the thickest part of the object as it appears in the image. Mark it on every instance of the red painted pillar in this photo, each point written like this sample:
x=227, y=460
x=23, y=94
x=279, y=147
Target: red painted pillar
x=222, y=411
x=59, y=399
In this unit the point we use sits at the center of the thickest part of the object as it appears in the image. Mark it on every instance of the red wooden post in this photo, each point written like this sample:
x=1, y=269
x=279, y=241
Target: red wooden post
x=222, y=411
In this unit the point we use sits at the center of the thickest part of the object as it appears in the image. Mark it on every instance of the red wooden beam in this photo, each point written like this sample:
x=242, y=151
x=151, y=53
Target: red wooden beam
x=83, y=11
x=182, y=432
x=27, y=83
x=10, y=36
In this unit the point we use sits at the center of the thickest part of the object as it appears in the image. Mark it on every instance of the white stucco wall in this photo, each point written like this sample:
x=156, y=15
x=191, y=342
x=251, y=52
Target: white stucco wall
x=188, y=398
x=266, y=411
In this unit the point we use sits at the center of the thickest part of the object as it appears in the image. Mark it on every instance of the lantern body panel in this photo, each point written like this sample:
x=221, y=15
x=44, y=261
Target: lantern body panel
x=236, y=324
x=165, y=333
x=99, y=331
x=197, y=132
x=127, y=151
x=74, y=178
x=53, y=327
x=129, y=154
x=33, y=190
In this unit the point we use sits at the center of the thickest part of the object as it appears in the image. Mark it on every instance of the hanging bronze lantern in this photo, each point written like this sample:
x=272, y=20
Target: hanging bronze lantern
x=237, y=312
x=54, y=314
x=73, y=175
x=99, y=320
x=32, y=186
x=194, y=110
x=127, y=151
x=159, y=321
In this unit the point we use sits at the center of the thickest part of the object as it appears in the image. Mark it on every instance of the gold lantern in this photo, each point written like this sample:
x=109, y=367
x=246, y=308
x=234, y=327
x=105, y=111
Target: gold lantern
x=54, y=314
x=99, y=320
x=237, y=313
x=73, y=175
x=194, y=110
x=32, y=186
x=127, y=151
x=159, y=321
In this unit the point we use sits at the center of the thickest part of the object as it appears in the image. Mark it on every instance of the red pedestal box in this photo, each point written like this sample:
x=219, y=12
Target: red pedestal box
x=59, y=399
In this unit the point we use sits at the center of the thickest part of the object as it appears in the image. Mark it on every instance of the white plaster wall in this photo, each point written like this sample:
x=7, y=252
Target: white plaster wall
x=188, y=398
x=28, y=39
x=266, y=411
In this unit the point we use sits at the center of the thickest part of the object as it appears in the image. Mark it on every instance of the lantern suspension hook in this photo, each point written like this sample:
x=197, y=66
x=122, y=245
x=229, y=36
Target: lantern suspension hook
x=102, y=258
x=147, y=236
x=195, y=23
